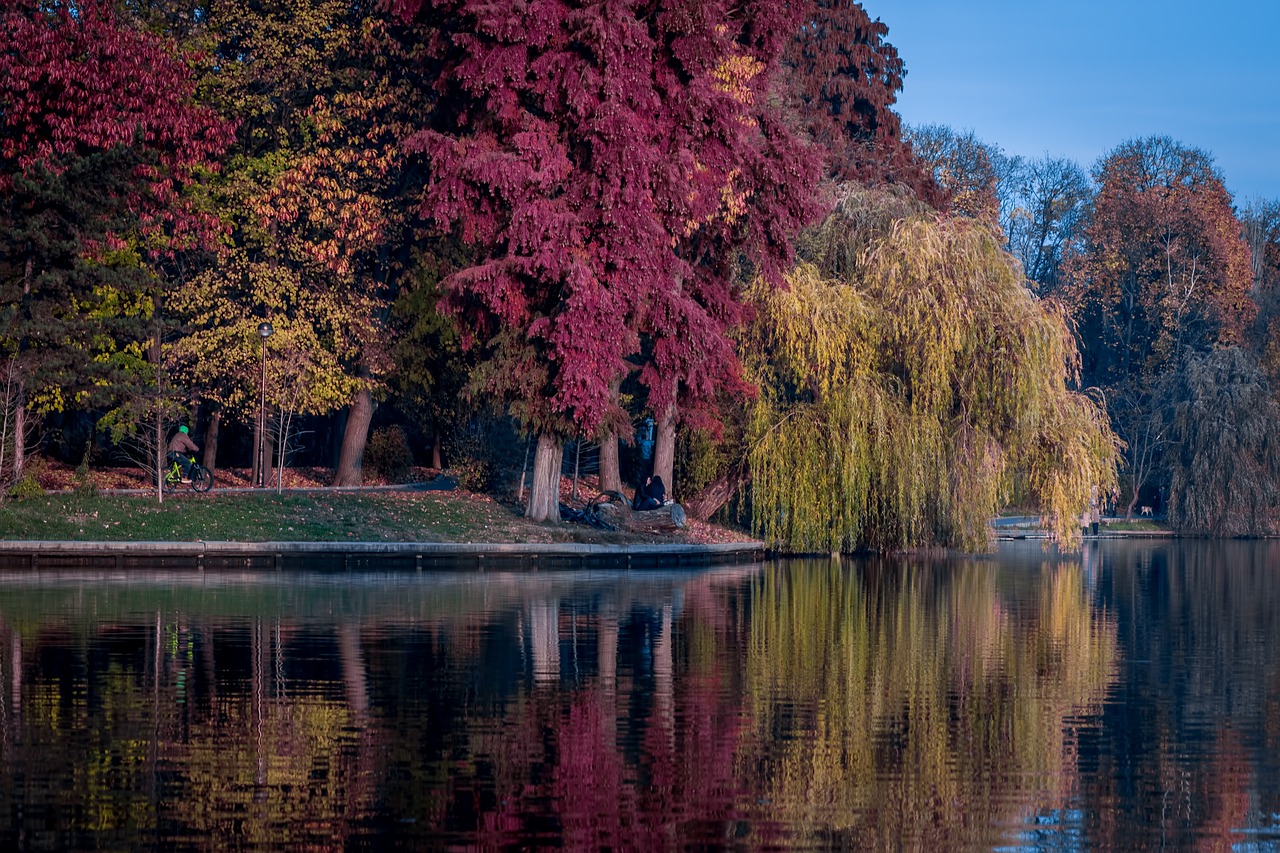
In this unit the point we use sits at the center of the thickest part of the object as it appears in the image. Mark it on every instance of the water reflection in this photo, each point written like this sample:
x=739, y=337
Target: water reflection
x=1127, y=697
x=919, y=702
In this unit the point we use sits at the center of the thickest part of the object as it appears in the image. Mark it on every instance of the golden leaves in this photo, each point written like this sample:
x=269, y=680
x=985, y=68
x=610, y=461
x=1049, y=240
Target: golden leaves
x=901, y=397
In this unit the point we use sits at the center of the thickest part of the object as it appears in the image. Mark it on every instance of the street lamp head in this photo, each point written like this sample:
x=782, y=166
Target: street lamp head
x=265, y=330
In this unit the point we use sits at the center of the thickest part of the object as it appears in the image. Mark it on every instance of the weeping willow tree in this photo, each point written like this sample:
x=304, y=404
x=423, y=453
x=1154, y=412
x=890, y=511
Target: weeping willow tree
x=1226, y=459
x=908, y=381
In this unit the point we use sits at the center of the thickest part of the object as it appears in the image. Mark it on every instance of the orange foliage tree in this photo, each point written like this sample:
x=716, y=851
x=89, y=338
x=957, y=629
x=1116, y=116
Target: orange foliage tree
x=1163, y=272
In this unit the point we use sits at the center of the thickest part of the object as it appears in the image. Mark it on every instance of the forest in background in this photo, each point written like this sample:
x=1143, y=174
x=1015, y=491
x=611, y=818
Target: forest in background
x=477, y=228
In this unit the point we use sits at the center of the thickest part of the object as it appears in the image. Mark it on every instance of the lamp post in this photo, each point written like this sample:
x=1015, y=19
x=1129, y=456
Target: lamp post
x=264, y=332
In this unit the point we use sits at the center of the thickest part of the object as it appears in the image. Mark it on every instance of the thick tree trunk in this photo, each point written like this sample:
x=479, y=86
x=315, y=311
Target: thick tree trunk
x=705, y=503
x=664, y=449
x=210, y=458
x=610, y=465
x=664, y=519
x=351, y=460
x=610, y=468
x=437, y=458
x=544, y=493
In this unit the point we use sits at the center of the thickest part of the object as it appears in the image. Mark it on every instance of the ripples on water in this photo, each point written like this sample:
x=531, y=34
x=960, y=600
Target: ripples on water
x=1126, y=697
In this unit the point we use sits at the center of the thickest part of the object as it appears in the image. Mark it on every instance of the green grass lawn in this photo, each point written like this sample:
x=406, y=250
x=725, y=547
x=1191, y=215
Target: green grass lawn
x=311, y=517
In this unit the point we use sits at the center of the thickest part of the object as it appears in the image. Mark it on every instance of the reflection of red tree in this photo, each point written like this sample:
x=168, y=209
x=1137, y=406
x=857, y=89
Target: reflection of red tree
x=1226, y=786
x=572, y=759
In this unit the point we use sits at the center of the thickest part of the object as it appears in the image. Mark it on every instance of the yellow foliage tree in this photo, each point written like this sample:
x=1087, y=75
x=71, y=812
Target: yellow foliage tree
x=909, y=381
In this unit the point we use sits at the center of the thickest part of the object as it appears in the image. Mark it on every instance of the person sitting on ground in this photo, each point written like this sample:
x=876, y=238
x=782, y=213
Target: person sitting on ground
x=180, y=448
x=650, y=495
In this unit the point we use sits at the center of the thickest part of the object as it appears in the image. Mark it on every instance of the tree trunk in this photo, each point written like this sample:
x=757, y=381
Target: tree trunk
x=437, y=458
x=664, y=449
x=160, y=451
x=159, y=454
x=20, y=431
x=351, y=460
x=20, y=397
x=210, y=458
x=705, y=503
x=544, y=493
x=610, y=468
x=577, y=467
x=664, y=519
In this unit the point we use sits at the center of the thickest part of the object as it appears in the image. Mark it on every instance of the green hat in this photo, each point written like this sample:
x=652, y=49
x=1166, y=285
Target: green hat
x=183, y=429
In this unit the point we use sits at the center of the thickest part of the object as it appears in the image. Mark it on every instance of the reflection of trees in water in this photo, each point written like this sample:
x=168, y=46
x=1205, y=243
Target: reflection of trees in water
x=161, y=730
x=631, y=747
x=1196, y=717
x=918, y=702
x=502, y=709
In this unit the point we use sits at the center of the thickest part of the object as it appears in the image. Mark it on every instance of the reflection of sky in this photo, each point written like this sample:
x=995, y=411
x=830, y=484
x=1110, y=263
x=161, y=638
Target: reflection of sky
x=1078, y=79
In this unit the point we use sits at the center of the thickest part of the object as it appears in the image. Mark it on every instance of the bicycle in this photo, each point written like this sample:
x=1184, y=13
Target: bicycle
x=590, y=514
x=201, y=477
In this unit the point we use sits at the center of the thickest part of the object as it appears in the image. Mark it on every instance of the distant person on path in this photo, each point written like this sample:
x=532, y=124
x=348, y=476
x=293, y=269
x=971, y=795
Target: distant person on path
x=650, y=495
x=180, y=446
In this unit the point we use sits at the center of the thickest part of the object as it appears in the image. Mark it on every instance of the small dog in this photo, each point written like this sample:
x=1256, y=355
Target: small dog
x=1146, y=510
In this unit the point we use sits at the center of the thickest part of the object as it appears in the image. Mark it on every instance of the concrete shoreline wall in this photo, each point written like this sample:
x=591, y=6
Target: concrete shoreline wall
x=339, y=556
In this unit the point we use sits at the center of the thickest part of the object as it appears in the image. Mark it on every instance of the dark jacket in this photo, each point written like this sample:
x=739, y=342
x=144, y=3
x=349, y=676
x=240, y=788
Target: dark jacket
x=650, y=495
x=182, y=443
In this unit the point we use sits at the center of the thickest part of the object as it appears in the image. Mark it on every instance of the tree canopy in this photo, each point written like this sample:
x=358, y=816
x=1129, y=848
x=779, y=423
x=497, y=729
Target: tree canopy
x=843, y=79
x=101, y=142
x=610, y=164
x=910, y=382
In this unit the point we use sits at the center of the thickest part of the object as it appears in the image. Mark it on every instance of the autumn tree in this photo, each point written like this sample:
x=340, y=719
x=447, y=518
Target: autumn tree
x=1044, y=216
x=610, y=164
x=842, y=80
x=1261, y=221
x=1162, y=272
x=1224, y=463
x=971, y=172
x=310, y=194
x=910, y=382
x=99, y=142
x=431, y=369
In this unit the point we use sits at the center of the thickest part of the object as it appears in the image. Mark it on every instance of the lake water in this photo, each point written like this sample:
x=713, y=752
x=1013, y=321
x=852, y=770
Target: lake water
x=1128, y=696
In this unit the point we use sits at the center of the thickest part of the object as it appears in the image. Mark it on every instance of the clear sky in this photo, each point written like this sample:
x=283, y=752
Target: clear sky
x=1076, y=79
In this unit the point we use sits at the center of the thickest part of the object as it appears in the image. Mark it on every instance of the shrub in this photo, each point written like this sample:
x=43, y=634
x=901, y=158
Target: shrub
x=388, y=454
x=82, y=482
x=27, y=487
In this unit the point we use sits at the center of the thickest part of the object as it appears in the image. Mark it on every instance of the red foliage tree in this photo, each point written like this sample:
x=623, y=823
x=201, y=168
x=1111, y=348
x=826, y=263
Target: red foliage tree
x=843, y=80
x=74, y=82
x=98, y=138
x=610, y=163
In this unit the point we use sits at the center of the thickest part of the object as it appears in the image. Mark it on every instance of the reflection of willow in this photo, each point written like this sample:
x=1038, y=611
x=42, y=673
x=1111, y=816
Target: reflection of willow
x=932, y=710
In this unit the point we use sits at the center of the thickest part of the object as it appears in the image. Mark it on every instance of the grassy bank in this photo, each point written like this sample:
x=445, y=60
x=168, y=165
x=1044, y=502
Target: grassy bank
x=320, y=516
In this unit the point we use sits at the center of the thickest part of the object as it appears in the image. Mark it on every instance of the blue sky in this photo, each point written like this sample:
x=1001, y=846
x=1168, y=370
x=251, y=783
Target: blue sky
x=1077, y=79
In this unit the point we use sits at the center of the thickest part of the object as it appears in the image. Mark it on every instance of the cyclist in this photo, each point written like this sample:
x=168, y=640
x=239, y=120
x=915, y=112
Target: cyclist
x=180, y=446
